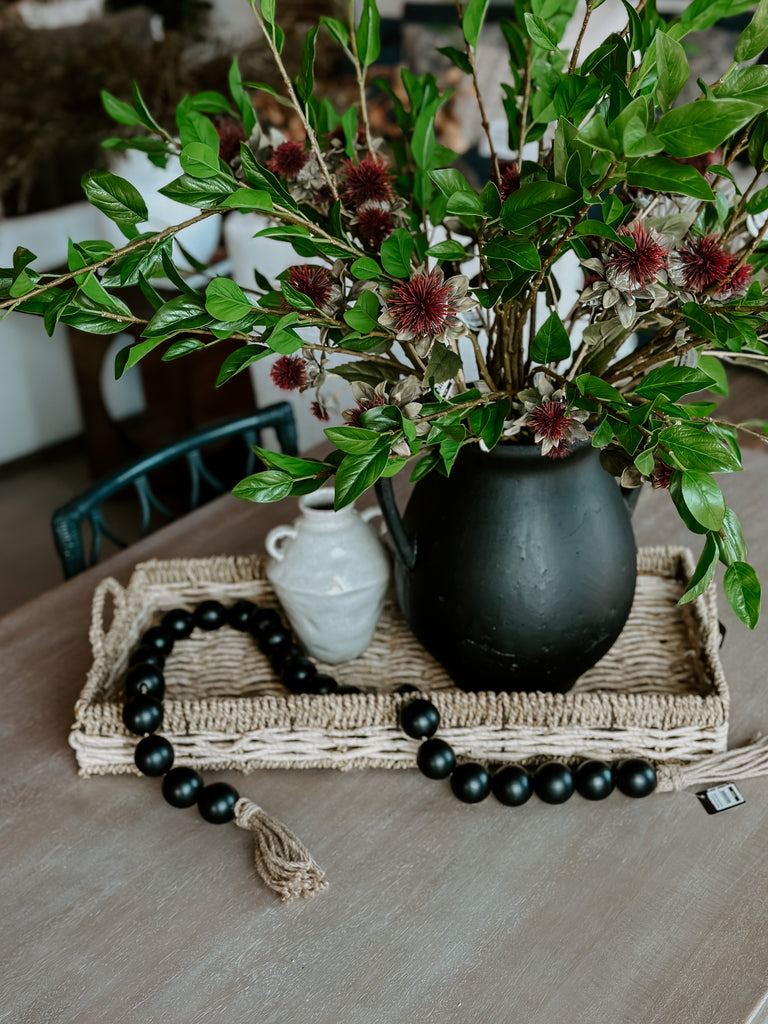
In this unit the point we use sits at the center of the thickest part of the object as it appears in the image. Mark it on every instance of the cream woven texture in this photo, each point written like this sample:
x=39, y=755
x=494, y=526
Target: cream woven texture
x=660, y=692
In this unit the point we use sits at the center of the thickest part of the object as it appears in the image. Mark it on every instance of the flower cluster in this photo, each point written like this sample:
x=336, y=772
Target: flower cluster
x=587, y=286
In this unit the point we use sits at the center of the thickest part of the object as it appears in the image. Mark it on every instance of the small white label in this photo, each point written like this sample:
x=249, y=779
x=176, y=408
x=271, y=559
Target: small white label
x=720, y=798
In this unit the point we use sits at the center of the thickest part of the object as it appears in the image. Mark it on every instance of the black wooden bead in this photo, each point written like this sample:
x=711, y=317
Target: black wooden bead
x=298, y=672
x=280, y=655
x=146, y=654
x=210, y=615
x=160, y=637
x=263, y=619
x=635, y=777
x=153, y=755
x=181, y=787
x=239, y=615
x=470, y=783
x=511, y=785
x=419, y=719
x=145, y=678
x=594, y=780
x=553, y=782
x=436, y=759
x=322, y=683
x=216, y=802
x=270, y=640
x=143, y=714
x=179, y=622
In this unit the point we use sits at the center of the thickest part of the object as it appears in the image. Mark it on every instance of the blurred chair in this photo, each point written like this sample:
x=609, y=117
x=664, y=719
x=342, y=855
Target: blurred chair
x=197, y=484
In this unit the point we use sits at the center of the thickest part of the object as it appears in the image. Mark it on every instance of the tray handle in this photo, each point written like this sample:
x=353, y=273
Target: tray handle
x=97, y=634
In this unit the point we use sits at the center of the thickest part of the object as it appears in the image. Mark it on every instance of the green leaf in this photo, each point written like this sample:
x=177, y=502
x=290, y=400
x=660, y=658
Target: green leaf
x=204, y=194
x=226, y=300
x=673, y=382
x=702, y=126
x=447, y=250
x=465, y=204
x=356, y=440
x=239, y=360
x=119, y=111
x=356, y=473
x=541, y=32
x=290, y=464
x=521, y=252
x=659, y=174
x=181, y=313
x=449, y=180
x=457, y=57
x=754, y=39
x=673, y=69
x=181, y=347
x=599, y=229
x=364, y=317
x=749, y=83
x=742, y=588
x=245, y=198
x=305, y=80
x=694, y=448
x=195, y=127
x=130, y=355
x=365, y=269
x=199, y=161
x=337, y=30
x=551, y=343
x=536, y=201
x=472, y=22
x=600, y=390
x=730, y=540
x=704, y=499
x=396, y=253
x=704, y=572
x=269, y=485
x=443, y=364
x=645, y=462
x=603, y=435
x=714, y=369
x=368, y=43
x=117, y=198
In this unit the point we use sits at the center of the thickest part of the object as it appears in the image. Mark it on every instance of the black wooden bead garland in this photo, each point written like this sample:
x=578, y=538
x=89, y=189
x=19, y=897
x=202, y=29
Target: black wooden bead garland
x=282, y=861
x=553, y=782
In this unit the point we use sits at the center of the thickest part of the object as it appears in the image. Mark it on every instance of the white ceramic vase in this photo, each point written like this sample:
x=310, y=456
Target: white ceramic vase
x=330, y=573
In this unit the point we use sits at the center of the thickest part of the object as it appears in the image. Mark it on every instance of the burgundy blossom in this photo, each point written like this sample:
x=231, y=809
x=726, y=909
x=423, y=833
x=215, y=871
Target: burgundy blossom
x=549, y=422
x=319, y=412
x=289, y=373
x=703, y=262
x=314, y=282
x=638, y=267
x=230, y=134
x=374, y=225
x=287, y=160
x=421, y=307
x=352, y=416
x=367, y=182
x=510, y=178
x=661, y=474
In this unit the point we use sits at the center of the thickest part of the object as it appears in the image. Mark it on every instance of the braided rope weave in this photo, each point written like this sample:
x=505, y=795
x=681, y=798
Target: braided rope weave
x=658, y=693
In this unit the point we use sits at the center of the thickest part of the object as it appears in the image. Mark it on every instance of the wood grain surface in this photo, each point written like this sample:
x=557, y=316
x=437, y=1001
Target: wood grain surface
x=118, y=908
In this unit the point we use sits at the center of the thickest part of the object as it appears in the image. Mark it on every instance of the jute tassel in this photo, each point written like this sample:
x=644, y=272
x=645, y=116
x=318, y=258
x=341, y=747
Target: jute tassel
x=743, y=763
x=284, y=863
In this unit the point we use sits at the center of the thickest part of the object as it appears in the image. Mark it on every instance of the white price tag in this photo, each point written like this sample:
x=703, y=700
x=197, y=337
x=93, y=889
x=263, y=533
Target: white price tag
x=720, y=798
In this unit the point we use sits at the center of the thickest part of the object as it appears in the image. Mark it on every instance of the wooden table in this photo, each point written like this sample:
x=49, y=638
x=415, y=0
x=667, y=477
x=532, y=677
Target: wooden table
x=118, y=908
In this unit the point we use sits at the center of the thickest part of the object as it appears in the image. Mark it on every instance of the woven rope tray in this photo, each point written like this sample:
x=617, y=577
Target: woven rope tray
x=660, y=692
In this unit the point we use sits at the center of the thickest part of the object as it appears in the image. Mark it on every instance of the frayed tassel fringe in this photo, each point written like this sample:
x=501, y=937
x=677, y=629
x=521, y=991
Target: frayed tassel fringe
x=742, y=763
x=283, y=862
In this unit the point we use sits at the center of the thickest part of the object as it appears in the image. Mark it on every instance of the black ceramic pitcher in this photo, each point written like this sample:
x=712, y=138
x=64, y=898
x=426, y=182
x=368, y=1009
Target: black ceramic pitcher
x=517, y=572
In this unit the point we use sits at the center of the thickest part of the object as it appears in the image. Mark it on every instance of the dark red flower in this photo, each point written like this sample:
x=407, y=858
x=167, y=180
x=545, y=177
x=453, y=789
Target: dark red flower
x=421, y=307
x=288, y=373
x=560, y=451
x=510, y=178
x=703, y=262
x=352, y=416
x=635, y=268
x=314, y=282
x=319, y=411
x=661, y=474
x=367, y=182
x=738, y=283
x=549, y=421
x=374, y=225
x=230, y=134
x=288, y=159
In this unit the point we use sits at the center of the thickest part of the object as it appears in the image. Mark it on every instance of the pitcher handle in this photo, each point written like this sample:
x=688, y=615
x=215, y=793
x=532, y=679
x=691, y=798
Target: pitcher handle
x=275, y=538
x=406, y=550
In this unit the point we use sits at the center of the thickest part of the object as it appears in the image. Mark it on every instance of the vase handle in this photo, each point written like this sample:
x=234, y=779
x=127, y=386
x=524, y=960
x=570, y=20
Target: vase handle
x=406, y=550
x=274, y=540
